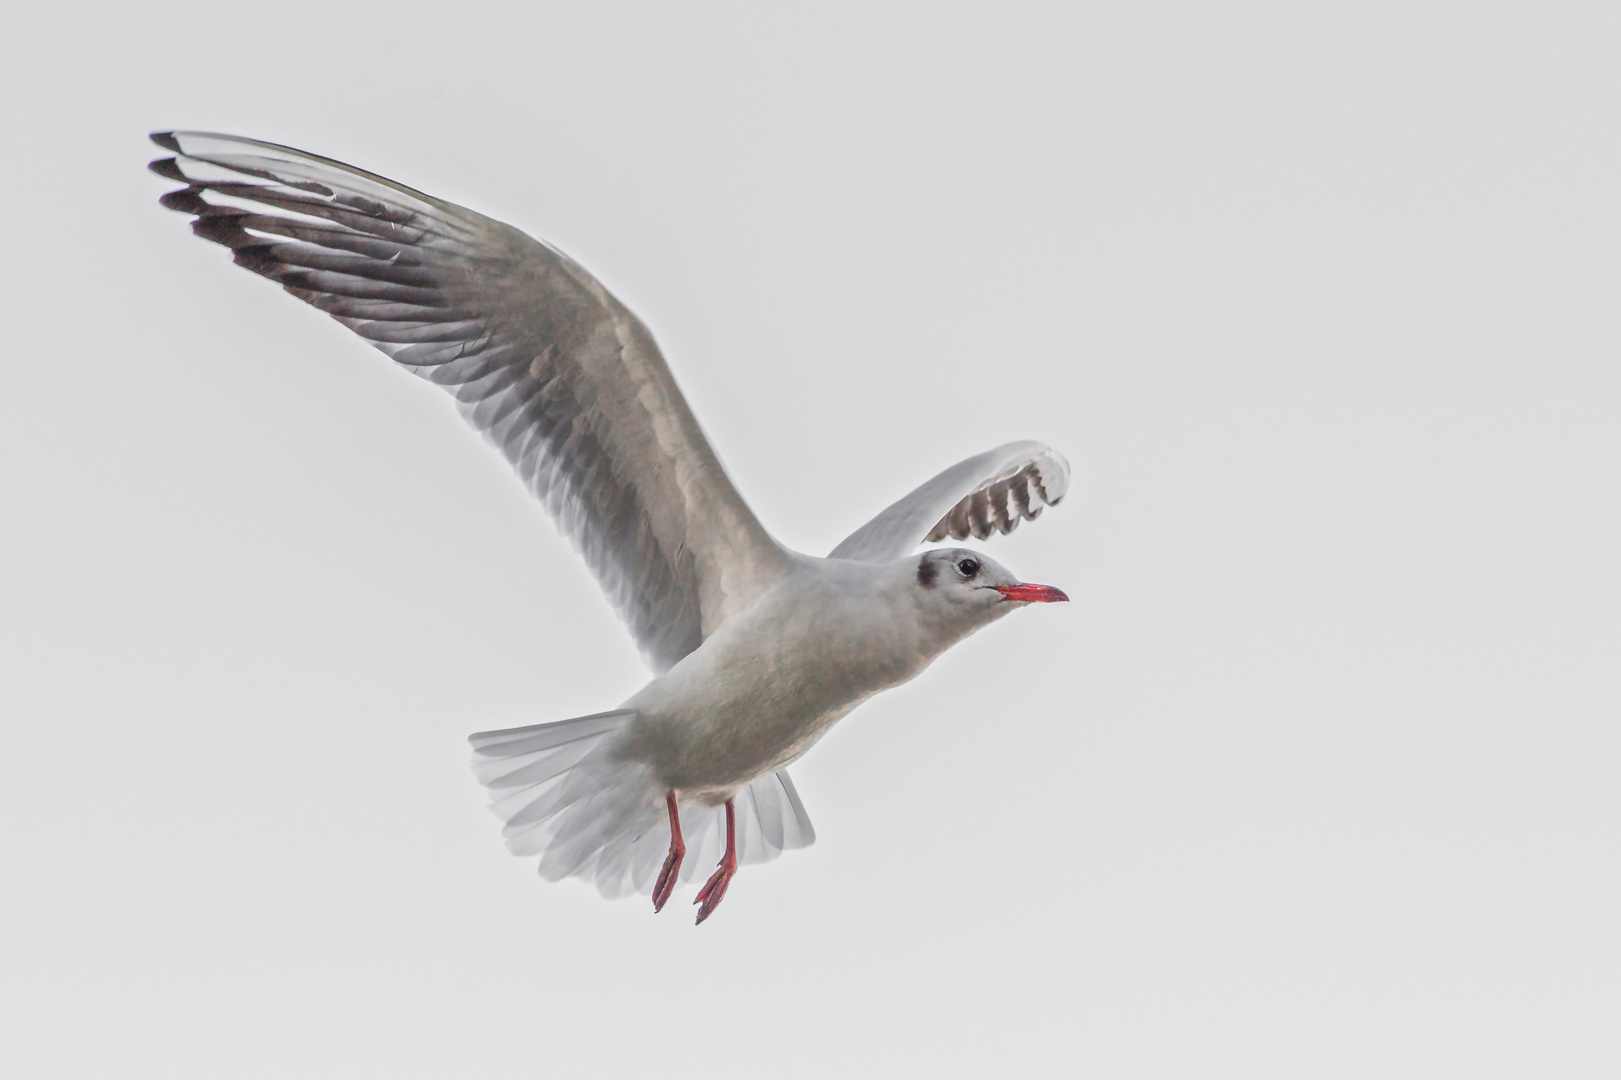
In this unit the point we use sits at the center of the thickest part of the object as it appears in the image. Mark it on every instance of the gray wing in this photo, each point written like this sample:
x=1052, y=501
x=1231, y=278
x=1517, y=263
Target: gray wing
x=560, y=376
x=990, y=492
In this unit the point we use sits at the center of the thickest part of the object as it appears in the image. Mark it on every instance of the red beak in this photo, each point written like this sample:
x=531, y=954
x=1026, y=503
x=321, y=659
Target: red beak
x=1032, y=594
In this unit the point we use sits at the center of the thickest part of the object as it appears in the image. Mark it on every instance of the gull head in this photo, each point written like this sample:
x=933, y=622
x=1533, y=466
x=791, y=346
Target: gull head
x=968, y=585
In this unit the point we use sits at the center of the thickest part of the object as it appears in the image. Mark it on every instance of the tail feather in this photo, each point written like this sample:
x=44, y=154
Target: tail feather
x=510, y=742
x=589, y=813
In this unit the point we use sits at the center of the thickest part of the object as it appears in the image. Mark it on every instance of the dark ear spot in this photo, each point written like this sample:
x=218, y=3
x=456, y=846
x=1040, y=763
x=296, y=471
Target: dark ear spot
x=926, y=569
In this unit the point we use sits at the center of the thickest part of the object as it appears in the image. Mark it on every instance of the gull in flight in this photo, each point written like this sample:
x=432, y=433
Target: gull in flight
x=756, y=649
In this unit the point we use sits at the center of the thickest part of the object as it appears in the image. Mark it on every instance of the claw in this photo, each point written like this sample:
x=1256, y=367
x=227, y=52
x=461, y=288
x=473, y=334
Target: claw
x=715, y=888
x=672, y=862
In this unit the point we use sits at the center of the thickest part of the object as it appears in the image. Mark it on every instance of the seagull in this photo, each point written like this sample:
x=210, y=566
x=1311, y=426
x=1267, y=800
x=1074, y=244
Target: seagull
x=756, y=650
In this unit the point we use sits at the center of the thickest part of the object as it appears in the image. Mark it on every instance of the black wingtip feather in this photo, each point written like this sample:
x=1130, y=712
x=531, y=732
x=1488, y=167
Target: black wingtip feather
x=223, y=229
x=257, y=257
x=186, y=200
x=166, y=140
x=169, y=169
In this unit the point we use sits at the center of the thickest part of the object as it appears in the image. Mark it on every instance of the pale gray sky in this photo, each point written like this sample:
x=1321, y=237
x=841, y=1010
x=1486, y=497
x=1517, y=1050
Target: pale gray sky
x=1317, y=776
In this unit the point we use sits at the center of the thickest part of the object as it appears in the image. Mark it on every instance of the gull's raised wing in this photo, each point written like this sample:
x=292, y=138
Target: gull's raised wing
x=560, y=376
x=990, y=492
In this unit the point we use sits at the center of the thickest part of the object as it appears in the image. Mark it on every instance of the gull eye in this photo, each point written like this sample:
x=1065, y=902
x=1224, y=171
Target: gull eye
x=968, y=567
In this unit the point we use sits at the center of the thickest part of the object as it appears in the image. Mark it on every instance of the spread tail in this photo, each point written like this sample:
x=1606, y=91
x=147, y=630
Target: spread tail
x=588, y=813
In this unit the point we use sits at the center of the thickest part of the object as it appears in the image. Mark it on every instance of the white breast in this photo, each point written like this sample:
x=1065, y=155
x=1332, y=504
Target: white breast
x=760, y=692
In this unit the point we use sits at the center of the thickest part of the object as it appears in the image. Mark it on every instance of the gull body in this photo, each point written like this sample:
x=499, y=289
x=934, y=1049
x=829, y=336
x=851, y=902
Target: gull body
x=768, y=684
x=756, y=649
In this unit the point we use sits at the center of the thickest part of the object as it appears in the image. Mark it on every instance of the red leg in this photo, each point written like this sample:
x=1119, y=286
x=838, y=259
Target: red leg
x=715, y=888
x=672, y=861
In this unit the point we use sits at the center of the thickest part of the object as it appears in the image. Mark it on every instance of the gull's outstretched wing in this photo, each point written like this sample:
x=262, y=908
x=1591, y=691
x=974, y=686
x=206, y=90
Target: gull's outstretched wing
x=565, y=381
x=988, y=492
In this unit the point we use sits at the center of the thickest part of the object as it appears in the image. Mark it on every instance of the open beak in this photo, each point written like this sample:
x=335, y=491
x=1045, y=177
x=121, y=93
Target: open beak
x=1032, y=594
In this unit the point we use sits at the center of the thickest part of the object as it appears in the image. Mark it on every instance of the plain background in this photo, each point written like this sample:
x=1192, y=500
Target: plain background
x=1316, y=778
